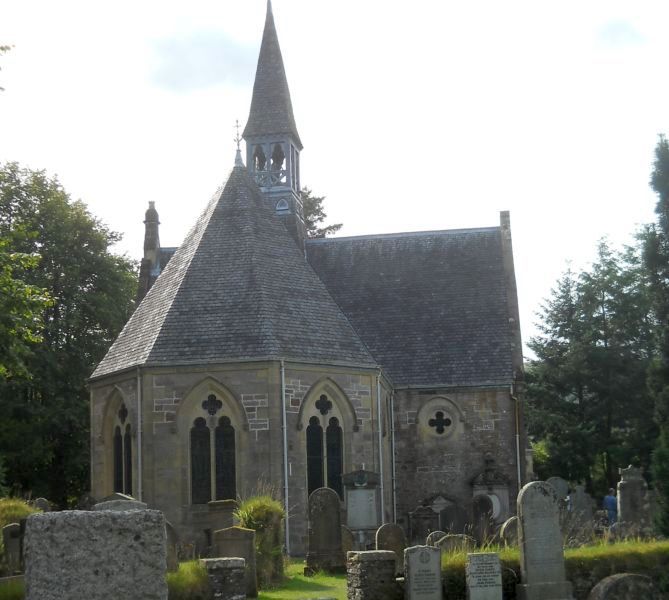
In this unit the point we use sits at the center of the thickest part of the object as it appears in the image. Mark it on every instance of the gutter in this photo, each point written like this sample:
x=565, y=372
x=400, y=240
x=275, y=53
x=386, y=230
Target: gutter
x=139, y=434
x=284, y=430
x=517, y=415
x=380, y=436
x=392, y=453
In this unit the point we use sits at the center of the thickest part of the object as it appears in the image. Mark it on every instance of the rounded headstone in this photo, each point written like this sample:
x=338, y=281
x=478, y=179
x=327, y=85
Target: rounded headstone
x=560, y=486
x=434, y=537
x=391, y=537
x=456, y=542
x=625, y=586
x=509, y=532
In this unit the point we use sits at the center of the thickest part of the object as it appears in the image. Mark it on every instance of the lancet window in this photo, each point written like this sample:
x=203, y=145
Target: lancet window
x=122, y=452
x=325, y=449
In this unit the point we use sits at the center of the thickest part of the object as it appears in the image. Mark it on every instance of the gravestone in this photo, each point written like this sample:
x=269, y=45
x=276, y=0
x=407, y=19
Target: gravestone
x=560, y=486
x=109, y=555
x=634, y=510
x=453, y=519
x=540, y=541
x=422, y=521
x=422, y=573
x=241, y=543
x=456, y=542
x=221, y=513
x=42, y=504
x=347, y=540
x=120, y=504
x=483, y=524
x=11, y=538
x=391, y=537
x=361, y=489
x=324, y=542
x=625, y=586
x=434, y=537
x=582, y=505
x=172, y=544
x=484, y=576
x=371, y=576
x=509, y=532
x=227, y=579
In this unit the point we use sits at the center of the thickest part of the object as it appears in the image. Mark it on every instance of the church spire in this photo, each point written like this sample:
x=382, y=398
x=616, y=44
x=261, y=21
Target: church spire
x=271, y=108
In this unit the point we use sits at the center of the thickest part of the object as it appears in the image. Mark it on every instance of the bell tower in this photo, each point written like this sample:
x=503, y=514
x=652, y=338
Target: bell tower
x=272, y=143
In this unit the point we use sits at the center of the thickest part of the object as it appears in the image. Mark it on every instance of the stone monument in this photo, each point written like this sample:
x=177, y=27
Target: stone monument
x=540, y=541
x=324, y=546
x=484, y=576
x=422, y=573
x=634, y=505
x=371, y=576
x=361, y=489
x=238, y=542
x=391, y=537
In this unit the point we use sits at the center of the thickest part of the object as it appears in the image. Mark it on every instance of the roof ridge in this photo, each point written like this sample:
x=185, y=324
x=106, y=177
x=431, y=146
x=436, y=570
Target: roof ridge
x=400, y=234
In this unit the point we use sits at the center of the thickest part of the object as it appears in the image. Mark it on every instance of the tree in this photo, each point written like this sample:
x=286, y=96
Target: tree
x=314, y=215
x=656, y=257
x=44, y=429
x=588, y=402
x=3, y=49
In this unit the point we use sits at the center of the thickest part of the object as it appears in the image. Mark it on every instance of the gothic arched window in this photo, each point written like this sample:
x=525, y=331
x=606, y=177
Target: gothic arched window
x=314, y=455
x=226, y=486
x=200, y=462
x=335, y=457
x=259, y=160
x=122, y=452
x=278, y=157
x=127, y=461
x=118, y=460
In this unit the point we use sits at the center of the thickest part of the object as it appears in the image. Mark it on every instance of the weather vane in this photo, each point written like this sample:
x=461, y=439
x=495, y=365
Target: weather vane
x=237, y=137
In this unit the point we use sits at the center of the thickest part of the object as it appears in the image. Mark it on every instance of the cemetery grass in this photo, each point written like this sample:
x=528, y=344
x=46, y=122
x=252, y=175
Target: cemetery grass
x=12, y=590
x=297, y=587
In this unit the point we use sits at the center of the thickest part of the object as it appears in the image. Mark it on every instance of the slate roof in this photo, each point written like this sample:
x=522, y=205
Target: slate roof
x=271, y=108
x=430, y=306
x=237, y=288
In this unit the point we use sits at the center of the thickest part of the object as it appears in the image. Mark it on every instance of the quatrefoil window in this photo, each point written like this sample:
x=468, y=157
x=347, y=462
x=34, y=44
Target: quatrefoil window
x=212, y=404
x=440, y=422
x=324, y=405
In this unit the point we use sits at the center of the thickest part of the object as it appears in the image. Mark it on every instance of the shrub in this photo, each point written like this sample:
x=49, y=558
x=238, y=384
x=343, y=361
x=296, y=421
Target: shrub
x=264, y=514
x=12, y=510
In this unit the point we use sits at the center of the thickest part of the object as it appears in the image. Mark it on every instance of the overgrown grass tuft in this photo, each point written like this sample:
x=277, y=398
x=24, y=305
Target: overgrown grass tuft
x=12, y=590
x=189, y=582
x=12, y=510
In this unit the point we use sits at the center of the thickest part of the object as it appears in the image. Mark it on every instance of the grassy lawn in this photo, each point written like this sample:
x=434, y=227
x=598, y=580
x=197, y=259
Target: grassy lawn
x=298, y=587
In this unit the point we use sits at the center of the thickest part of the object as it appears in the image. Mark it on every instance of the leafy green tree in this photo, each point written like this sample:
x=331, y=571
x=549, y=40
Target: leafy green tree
x=657, y=260
x=314, y=215
x=44, y=429
x=3, y=49
x=588, y=402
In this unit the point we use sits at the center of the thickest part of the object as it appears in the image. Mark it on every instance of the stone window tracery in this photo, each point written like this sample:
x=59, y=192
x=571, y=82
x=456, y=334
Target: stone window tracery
x=325, y=448
x=122, y=452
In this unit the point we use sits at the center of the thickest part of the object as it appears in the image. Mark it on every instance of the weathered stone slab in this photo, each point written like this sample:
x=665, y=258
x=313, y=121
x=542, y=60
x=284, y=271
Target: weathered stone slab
x=509, y=532
x=347, y=540
x=371, y=576
x=239, y=542
x=391, y=537
x=11, y=539
x=540, y=541
x=227, y=579
x=362, y=510
x=560, y=486
x=325, y=548
x=120, y=505
x=484, y=576
x=625, y=586
x=87, y=555
x=434, y=537
x=634, y=503
x=422, y=573
x=172, y=540
x=456, y=542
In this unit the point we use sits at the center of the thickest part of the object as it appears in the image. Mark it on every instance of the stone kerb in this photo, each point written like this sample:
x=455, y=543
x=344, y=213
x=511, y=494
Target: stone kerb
x=540, y=542
x=422, y=573
x=625, y=586
x=88, y=555
x=227, y=579
x=371, y=576
x=239, y=542
x=324, y=550
x=484, y=576
x=391, y=537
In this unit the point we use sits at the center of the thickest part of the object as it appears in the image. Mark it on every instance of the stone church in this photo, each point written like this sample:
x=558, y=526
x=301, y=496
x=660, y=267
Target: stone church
x=386, y=367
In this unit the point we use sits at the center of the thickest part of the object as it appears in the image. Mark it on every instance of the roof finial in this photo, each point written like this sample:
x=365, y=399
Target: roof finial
x=238, y=157
x=269, y=6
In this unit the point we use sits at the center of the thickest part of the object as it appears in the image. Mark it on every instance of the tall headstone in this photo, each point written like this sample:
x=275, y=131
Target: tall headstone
x=634, y=505
x=422, y=573
x=240, y=543
x=109, y=555
x=172, y=540
x=509, y=532
x=391, y=537
x=560, y=486
x=362, y=499
x=422, y=521
x=11, y=538
x=324, y=551
x=484, y=576
x=582, y=505
x=434, y=537
x=541, y=556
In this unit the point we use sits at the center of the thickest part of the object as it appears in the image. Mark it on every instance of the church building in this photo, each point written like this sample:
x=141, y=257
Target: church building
x=385, y=367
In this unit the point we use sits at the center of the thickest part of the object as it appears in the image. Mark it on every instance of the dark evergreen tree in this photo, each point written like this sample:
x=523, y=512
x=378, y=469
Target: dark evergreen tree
x=314, y=215
x=45, y=422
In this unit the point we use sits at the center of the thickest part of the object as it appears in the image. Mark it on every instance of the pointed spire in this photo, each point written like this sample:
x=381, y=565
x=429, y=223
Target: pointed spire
x=271, y=108
x=238, y=156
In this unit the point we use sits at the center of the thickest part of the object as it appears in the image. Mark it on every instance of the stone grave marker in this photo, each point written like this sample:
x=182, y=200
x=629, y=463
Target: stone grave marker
x=391, y=537
x=421, y=522
x=238, y=542
x=582, y=504
x=625, y=586
x=220, y=513
x=456, y=542
x=371, y=576
x=324, y=551
x=560, y=486
x=422, y=573
x=120, y=504
x=484, y=576
x=109, y=555
x=347, y=540
x=634, y=510
x=540, y=541
x=11, y=538
x=434, y=537
x=361, y=489
x=227, y=577
x=42, y=504
x=482, y=509
x=509, y=531
x=172, y=541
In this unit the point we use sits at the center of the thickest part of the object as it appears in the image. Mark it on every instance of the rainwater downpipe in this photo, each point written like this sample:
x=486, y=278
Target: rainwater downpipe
x=517, y=411
x=392, y=452
x=139, y=434
x=285, y=453
x=380, y=432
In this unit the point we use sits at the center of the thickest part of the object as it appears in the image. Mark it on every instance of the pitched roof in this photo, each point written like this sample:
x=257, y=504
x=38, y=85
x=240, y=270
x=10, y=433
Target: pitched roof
x=237, y=288
x=271, y=109
x=430, y=306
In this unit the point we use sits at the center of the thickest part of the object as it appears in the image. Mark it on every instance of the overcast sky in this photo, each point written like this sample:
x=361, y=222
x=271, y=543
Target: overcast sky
x=430, y=114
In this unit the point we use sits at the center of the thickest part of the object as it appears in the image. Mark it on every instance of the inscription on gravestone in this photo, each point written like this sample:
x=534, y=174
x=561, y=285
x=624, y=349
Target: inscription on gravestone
x=361, y=508
x=422, y=568
x=484, y=576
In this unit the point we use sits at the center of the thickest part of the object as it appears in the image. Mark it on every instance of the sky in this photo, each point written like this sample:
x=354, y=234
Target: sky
x=422, y=115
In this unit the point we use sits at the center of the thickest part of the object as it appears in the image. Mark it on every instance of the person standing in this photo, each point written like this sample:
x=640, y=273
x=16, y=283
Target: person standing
x=611, y=506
